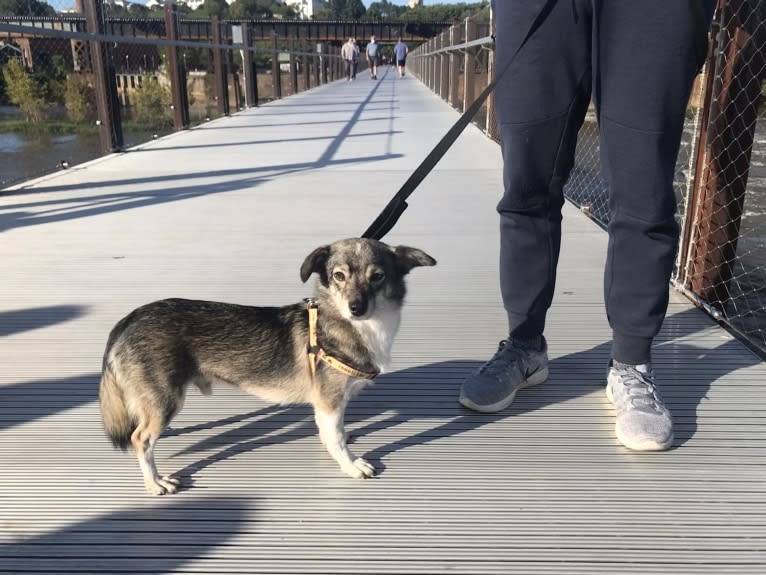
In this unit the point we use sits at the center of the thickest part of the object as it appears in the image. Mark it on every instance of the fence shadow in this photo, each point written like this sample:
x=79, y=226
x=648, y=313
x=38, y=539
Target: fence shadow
x=17, y=321
x=148, y=539
x=29, y=401
x=181, y=186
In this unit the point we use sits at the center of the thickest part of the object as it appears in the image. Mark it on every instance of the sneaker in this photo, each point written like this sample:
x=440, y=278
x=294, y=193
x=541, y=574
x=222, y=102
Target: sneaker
x=493, y=387
x=643, y=421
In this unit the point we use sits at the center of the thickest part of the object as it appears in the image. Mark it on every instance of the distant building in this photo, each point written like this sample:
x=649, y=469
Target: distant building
x=306, y=8
x=414, y=3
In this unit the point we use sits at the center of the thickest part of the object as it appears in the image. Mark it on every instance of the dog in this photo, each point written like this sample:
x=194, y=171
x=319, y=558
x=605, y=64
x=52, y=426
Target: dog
x=322, y=352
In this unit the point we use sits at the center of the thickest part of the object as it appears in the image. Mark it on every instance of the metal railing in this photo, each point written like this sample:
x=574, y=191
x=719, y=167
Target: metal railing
x=458, y=64
x=720, y=177
x=125, y=81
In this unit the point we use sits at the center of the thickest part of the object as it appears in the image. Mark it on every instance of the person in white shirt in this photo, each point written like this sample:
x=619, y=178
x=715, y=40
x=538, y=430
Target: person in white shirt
x=350, y=55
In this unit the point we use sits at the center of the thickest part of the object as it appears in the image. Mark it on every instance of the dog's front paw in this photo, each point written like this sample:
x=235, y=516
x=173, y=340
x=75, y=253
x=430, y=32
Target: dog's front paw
x=360, y=469
x=163, y=486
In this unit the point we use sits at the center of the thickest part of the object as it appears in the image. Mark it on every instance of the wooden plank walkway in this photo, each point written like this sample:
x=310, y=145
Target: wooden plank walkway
x=228, y=211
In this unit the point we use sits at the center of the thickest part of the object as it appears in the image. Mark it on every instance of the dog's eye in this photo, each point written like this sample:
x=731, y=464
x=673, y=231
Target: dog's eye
x=339, y=276
x=377, y=277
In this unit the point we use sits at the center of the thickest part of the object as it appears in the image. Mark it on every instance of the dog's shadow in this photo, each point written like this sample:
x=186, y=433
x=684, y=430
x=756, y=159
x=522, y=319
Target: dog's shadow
x=430, y=393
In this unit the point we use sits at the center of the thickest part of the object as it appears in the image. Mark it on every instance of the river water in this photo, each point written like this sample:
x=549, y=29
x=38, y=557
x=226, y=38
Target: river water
x=25, y=156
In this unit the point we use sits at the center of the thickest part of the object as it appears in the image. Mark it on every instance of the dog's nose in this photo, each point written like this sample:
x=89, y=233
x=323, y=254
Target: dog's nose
x=357, y=307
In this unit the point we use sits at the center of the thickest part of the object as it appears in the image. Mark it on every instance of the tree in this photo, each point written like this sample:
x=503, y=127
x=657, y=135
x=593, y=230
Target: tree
x=152, y=101
x=80, y=98
x=24, y=91
x=346, y=9
x=445, y=12
x=245, y=9
x=214, y=8
x=384, y=10
x=138, y=10
x=285, y=11
x=25, y=8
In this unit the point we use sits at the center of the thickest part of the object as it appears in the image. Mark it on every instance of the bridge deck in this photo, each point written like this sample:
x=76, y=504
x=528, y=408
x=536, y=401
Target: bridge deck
x=228, y=211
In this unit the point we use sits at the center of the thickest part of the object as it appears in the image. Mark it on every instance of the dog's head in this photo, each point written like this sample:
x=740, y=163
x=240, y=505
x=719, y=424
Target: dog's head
x=359, y=275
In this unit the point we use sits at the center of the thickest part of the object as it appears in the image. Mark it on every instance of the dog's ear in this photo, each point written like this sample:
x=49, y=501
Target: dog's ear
x=408, y=258
x=315, y=262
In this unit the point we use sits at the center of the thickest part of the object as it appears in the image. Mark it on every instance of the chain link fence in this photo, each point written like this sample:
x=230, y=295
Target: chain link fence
x=64, y=62
x=722, y=258
x=720, y=176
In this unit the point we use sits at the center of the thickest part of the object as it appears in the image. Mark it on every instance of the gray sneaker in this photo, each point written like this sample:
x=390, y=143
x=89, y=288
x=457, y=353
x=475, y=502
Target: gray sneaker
x=493, y=387
x=643, y=421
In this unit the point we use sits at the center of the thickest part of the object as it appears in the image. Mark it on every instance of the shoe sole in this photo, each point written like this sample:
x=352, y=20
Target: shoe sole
x=647, y=444
x=536, y=378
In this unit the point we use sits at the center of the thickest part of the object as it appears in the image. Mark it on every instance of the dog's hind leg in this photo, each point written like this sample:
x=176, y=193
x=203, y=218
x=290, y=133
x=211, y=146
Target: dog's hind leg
x=144, y=439
x=333, y=436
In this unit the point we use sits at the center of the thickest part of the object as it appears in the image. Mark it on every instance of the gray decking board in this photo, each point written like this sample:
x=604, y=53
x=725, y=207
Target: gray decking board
x=228, y=211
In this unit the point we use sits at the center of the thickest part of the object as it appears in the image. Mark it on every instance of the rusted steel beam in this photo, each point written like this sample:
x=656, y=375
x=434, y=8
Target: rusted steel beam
x=719, y=193
x=276, y=72
x=104, y=79
x=176, y=72
x=221, y=72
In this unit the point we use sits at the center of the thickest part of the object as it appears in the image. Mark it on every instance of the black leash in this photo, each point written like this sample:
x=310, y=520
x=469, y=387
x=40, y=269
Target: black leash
x=394, y=209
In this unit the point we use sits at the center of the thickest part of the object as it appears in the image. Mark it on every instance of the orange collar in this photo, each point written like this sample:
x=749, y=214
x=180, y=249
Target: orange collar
x=317, y=354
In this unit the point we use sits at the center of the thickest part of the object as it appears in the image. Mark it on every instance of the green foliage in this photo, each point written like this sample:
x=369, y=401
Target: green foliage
x=247, y=9
x=25, y=91
x=445, y=12
x=217, y=8
x=342, y=10
x=151, y=102
x=80, y=98
x=25, y=8
x=385, y=10
x=55, y=79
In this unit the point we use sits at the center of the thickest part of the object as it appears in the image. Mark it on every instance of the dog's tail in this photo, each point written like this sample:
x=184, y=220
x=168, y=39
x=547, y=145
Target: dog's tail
x=118, y=424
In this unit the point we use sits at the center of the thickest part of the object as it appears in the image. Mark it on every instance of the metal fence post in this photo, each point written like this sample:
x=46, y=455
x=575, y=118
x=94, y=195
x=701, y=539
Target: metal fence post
x=434, y=64
x=468, y=68
x=305, y=60
x=491, y=126
x=176, y=72
x=104, y=78
x=293, y=69
x=276, y=71
x=248, y=65
x=221, y=84
x=444, y=61
x=324, y=61
x=454, y=71
x=437, y=65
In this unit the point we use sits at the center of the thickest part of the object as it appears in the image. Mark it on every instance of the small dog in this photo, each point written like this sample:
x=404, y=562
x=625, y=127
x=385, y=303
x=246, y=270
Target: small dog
x=322, y=352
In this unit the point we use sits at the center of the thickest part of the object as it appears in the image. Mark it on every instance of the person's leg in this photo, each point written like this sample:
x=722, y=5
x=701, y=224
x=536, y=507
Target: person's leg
x=647, y=61
x=648, y=54
x=540, y=104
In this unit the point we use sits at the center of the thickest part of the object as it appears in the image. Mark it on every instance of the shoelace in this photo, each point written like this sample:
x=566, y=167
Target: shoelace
x=639, y=388
x=495, y=365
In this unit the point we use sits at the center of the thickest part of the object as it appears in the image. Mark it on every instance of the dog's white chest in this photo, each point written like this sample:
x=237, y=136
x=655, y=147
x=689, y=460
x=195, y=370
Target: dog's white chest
x=378, y=334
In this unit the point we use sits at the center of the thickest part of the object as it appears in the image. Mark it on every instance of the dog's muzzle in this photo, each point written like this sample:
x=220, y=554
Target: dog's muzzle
x=358, y=307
